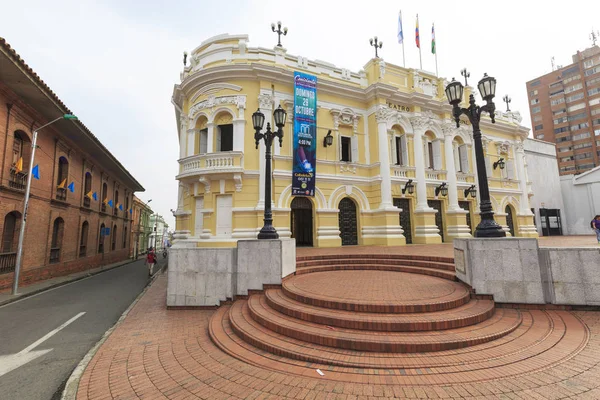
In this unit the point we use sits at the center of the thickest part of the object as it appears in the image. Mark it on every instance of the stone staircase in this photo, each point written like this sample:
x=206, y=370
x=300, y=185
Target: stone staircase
x=364, y=317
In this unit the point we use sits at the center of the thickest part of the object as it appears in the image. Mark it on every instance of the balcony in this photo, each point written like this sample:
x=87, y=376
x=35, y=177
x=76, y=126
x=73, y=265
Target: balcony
x=17, y=180
x=403, y=171
x=61, y=194
x=7, y=262
x=213, y=163
x=86, y=202
x=435, y=175
x=465, y=177
x=103, y=208
x=115, y=211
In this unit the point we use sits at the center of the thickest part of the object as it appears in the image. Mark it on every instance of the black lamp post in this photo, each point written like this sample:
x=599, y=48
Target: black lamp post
x=507, y=100
x=279, y=32
x=258, y=119
x=377, y=44
x=466, y=74
x=487, y=88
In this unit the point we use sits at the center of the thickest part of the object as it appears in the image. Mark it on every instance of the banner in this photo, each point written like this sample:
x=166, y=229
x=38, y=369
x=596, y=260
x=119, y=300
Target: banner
x=305, y=134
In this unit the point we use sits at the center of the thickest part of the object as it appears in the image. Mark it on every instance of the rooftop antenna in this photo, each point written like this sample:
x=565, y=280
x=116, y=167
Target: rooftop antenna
x=553, y=64
x=594, y=36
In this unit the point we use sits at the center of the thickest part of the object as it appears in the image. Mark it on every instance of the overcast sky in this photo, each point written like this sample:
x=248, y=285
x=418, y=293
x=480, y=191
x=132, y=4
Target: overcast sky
x=114, y=63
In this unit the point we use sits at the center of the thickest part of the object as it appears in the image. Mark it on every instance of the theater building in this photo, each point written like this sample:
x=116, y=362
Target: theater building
x=392, y=128
x=76, y=178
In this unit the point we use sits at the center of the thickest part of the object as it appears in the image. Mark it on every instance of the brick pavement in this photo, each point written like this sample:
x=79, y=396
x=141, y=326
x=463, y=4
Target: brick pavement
x=168, y=354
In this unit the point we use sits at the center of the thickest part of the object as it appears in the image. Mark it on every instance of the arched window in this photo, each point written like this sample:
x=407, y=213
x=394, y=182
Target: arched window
x=104, y=197
x=57, y=235
x=8, y=247
x=126, y=214
x=87, y=189
x=125, y=238
x=18, y=174
x=114, y=238
x=62, y=179
x=84, y=239
x=116, y=203
x=101, y=239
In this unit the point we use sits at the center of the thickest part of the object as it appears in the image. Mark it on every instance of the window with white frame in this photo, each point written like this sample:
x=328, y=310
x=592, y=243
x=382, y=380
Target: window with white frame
x=345, y=149
x=400, y=150
x=203, y=137
x=225, y=137
x=463, y=158
x=509, y=170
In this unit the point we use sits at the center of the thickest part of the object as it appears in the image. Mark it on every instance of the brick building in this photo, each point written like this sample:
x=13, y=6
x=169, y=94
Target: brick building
x=65, y=219
x=140, y=227
x=565, y=109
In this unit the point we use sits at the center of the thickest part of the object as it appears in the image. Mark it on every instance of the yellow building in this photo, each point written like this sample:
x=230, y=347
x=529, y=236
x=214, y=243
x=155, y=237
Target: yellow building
x=391, y=125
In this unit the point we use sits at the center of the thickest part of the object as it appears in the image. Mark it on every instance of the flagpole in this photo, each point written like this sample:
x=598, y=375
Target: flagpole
x=420, y=59
x=435, y=43
x=403, y=59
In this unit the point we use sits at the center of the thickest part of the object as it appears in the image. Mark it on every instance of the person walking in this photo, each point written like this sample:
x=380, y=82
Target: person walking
x=151, y=260
x=595, y=225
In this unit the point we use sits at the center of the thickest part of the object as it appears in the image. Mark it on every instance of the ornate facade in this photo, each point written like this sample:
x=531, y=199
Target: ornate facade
x=391, y=126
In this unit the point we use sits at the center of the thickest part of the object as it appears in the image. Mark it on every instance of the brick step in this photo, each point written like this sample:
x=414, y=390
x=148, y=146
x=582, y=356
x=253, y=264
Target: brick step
x=501, y=323
x=378, y=267
x=375, y=260
x=471, y=313
x=380, y=256
x=387, y=291
x=531, y=345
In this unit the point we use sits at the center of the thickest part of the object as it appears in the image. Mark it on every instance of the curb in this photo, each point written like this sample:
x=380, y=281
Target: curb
x=72, y=385
x=40, y=290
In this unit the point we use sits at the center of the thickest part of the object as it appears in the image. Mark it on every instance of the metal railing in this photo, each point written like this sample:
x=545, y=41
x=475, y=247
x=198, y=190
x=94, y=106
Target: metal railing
x=7, y=262
x=103, y=208
x=61, y=194
x=87, y=202
x=115, y=211
x=54, y=255
x=17, y=180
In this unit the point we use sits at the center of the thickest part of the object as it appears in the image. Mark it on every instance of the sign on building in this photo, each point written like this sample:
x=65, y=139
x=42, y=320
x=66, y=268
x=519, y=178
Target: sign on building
x=305, y=134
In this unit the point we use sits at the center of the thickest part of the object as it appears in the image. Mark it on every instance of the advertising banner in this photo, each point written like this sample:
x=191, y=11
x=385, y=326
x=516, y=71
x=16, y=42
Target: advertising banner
x=305, y=134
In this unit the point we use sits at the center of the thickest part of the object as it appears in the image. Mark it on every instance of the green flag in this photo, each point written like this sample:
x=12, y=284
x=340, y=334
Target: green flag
x=432, y=39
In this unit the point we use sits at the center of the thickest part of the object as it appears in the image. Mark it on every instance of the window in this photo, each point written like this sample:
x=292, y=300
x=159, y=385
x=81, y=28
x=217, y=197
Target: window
x=537, y=118
x=401, y=150
x=560, y=120
x=577, y=116
x=538, y=127
x=573, y=88
x=596, y=132
x=61, y=179
x=203, y=141
x=345, y=155
x=57, y=236
x=84, y=239
x=596, y=121
x=557, y=92
x=595, y=102
x=572, y=78
x=535, y=83
x=560, y=130
x=592, y=71
x=126, y=213
x=125, y=238
x=593, y=91
x=557, y=101
x=570, y=71
x=116, y=203
x=562, y=110
x=582, y=156
x=533, y=92
x=430, y=159
x=114, y=238
x=576, y=107
x=540, y=136
x=580, y=126
x=101, y=239
x=87, y=190
x=535, y=101
x=566, y=159
x=580, y=136
x=592, y=81
x=563, y=139
x=575, y=97
x=104, y=196
x=225, y=138
x=9, y=234
x=463, y=158
x=564, y=149
x=582, y=145
x=535, y=110
x=17, y=148
x=567, y=169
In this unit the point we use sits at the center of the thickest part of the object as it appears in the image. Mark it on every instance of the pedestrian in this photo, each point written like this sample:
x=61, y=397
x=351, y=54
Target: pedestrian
x=150, y=260
x=595, y=225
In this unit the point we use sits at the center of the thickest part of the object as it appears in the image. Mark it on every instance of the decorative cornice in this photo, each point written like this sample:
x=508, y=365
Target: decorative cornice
x=214, y=101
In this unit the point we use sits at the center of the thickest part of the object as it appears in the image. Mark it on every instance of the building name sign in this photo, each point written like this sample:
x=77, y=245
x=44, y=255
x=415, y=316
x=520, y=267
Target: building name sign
x=398, y=107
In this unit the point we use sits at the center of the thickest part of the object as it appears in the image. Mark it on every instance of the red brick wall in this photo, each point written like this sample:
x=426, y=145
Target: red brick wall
x=43, y=206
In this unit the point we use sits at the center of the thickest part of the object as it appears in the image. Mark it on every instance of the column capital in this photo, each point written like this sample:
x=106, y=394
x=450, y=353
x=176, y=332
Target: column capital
x=383, y=113
x=265, y=101
x=449, y=130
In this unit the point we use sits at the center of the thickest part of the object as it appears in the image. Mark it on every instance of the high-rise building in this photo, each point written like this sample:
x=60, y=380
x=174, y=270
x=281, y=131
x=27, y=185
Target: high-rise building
x=565, y=110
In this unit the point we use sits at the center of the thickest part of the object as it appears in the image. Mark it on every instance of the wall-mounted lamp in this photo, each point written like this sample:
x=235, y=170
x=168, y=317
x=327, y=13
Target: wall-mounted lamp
x=409, y=186
x=443, y=189
x=500, y=163
x=328, y=140
x=471, y=190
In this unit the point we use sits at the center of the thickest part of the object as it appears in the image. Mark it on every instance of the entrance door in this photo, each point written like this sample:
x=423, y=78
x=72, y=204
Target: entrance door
x=301, y=223
x=437, y=205
x=404, y=204
x=199, y=218
x=348, y=223
x=551, y=222
x=509, y=220
x=465, y=205
x=224, y=215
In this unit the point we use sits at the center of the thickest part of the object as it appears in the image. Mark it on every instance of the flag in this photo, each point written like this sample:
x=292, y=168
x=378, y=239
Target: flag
x=62, y=184
x=105, y=201
x=95, y=196
x=131, y=211
x=432, y=39
x=89, y=195
x=110, y=203
x=19, y=165
x=120, y=206
x=36, y=172
x=72, y=187
x=400, y=32
x=417, y=40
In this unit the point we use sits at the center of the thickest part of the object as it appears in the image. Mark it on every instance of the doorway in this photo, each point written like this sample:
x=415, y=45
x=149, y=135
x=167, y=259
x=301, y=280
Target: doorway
x=437, y=205
x=404, y=204
x=509, y=220
x=301, y=222
x=348, y=223
x=551, y=222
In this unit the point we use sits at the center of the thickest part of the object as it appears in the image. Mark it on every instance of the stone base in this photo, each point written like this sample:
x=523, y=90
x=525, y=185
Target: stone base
x=426, y=231
x=200, y=277
x=457, y=225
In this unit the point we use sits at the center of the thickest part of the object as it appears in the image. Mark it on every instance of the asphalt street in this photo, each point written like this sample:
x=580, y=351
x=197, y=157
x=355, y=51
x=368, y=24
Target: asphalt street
x=43, y=337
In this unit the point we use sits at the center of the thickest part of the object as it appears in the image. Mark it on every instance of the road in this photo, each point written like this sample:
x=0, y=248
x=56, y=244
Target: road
x=43, y=337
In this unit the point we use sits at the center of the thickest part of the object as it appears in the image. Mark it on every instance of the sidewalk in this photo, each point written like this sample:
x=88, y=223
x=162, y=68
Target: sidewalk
x=38, y=287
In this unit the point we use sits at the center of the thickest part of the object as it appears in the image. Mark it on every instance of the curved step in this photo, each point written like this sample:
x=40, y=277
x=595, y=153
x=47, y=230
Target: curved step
x=501, y=323
x=380, y=261
x=393, y=256
x=371, y=266
x=473, y=312
x=384, y=292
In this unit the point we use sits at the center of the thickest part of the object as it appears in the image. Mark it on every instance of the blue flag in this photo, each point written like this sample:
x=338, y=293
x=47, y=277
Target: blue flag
x=110, y=203
x=400, y=33
x=72, y=187
x=121, y=207
x=95, y=196
x=131, y=211
x=36, y=172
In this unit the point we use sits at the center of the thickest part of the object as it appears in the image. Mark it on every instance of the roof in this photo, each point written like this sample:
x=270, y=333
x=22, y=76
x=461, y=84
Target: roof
x=23, y=80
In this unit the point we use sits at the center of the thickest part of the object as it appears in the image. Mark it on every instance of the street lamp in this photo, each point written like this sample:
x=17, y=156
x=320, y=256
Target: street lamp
x=279, y=32
x=499, y=163
x=471, y=190
x=466, y=74
x=258, y=119
x=443, y=189
x=507, y=100
x=69, y=117
x=328, y=140
x=410, y=186
x=377, y=44
x=487, y=88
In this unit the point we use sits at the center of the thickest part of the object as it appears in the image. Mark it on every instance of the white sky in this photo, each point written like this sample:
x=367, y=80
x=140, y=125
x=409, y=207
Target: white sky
x=114, y=62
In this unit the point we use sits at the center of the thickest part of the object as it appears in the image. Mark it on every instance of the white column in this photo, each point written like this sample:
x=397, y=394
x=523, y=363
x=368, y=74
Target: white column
x=420, y=170
x=191, y=141
x=451, y=170
x=210, y=137
x=183, y=137
x=520, y=161
x=384, y=163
